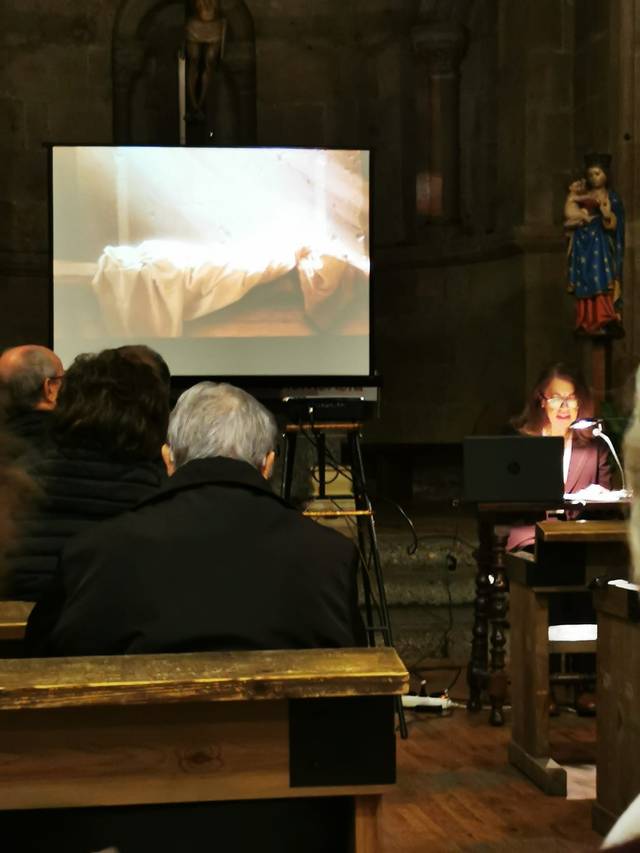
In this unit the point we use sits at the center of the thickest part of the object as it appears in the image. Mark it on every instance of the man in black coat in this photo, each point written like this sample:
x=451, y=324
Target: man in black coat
x=214, y=559
x=30, y=376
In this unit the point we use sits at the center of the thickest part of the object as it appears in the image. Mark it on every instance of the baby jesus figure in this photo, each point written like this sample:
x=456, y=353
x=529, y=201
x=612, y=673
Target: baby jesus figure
x=580, y=206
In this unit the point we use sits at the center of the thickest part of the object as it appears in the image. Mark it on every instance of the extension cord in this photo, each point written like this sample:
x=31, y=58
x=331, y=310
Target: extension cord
x=436, y=704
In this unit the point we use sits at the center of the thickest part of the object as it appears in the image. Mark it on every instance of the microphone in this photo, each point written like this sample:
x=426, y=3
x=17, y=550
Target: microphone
x=595, y=424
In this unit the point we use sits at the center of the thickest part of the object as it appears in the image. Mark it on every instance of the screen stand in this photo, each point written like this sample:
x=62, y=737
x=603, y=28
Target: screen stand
x=369, y=562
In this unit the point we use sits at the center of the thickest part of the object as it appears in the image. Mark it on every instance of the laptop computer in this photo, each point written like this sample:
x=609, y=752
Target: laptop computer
x=513, y=469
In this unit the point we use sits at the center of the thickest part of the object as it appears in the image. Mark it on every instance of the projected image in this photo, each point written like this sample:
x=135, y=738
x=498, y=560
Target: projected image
x=228, y=261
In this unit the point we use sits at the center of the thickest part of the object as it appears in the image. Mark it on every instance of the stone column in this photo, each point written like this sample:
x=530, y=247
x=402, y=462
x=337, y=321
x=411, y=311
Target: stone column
x=440, y=47
x=127, y=62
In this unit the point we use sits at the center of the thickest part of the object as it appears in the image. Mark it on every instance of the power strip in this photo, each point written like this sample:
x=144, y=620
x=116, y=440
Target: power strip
x=433, y=704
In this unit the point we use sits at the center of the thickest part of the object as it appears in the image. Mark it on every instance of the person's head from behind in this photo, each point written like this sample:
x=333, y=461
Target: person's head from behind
x=32, y=376
x=559, y=397
x=147, y=355
x=112, y=404
x=220, y=420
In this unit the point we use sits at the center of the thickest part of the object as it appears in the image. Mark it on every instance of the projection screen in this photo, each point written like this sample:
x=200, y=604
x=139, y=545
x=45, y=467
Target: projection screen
x=228, y=261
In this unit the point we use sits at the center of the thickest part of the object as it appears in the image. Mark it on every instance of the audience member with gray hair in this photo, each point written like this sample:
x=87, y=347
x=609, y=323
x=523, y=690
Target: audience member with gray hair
x=31, y=376
x=220, y=420
x=214, y=559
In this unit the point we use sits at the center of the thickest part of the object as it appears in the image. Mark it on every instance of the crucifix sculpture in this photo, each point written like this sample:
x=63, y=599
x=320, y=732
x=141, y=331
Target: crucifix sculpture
x=205, y=31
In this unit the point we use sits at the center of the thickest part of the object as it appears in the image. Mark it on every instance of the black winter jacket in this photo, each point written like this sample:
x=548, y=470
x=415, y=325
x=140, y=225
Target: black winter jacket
x=79, y=488
x=214, y=560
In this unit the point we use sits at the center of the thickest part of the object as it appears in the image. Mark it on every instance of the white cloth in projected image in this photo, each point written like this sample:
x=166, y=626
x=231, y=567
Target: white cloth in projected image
x=152, y=289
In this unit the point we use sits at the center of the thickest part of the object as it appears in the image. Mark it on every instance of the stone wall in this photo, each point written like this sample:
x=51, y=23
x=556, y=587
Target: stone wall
x=55, y=86
x=467, y=310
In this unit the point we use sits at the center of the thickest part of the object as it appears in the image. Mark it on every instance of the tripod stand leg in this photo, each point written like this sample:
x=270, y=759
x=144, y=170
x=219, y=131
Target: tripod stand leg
x=288, y=463
x=362, y=502
x=366, y=583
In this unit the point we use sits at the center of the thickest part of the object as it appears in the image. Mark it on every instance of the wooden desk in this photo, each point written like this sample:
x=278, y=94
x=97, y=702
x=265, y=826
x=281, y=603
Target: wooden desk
x=618, y=690
x=486, y=669
x=591, y=531
x=566, y=560
x=77, y=732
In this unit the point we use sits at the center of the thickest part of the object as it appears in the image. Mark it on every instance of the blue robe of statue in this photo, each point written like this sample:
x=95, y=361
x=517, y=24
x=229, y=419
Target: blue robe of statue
x=596, y=255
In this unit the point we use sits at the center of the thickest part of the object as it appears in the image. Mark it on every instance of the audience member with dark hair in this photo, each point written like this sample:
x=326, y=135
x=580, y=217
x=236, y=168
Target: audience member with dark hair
x=107, y=431
x=31, y=377
x=147, y=355
x=112, y=404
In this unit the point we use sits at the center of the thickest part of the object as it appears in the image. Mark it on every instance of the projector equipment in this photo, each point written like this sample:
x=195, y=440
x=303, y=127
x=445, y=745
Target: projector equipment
x=329, y=405
x=323, y=409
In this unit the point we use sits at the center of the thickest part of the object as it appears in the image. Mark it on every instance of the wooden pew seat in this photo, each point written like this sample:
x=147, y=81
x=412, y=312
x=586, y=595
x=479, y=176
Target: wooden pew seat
x=205, y=727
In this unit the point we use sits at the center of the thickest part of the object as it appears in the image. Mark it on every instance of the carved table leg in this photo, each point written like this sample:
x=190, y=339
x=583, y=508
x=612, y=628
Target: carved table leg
x=476, y=672
x=498, y=618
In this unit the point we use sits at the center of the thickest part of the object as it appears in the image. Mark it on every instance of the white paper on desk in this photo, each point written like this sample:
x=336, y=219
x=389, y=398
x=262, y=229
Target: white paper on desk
x=597, y=494
x=623, y=584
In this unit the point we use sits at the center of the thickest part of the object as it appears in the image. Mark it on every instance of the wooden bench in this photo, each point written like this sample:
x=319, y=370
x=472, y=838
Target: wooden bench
x=618, y=690
x=13, y=619
x=205, y=727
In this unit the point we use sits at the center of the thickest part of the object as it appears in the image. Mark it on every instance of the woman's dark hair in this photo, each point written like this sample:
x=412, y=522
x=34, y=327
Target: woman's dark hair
x=143, y=353
x=533, y=419
x=112, y=403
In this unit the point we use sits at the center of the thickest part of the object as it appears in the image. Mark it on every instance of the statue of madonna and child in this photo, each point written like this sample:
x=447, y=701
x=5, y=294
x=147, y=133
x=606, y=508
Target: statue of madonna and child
x=594, y=223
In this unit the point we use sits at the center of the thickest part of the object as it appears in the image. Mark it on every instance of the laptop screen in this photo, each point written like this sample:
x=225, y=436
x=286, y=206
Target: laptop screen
x=513, y=469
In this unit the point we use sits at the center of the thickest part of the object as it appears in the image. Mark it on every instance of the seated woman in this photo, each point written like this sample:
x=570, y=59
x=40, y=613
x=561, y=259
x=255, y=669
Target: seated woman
x=108, y=427
x=560, y=397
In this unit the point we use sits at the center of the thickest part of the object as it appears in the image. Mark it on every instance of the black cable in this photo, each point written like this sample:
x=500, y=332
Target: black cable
x=316, y=479
x=446, y=535
x=418, y=671
x=456, y=677
x=411, y=549
x=337, y=466
x=447, y=633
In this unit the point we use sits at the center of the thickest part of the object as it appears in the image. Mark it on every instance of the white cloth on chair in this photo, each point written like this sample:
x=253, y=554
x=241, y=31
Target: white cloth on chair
x=573, y=633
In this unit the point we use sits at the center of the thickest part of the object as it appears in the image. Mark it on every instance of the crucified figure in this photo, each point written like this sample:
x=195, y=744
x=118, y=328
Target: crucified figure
x=204, y=35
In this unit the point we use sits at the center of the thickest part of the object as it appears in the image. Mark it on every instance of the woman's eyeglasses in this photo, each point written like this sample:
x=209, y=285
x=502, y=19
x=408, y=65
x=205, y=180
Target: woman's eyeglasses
x=556, y=402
